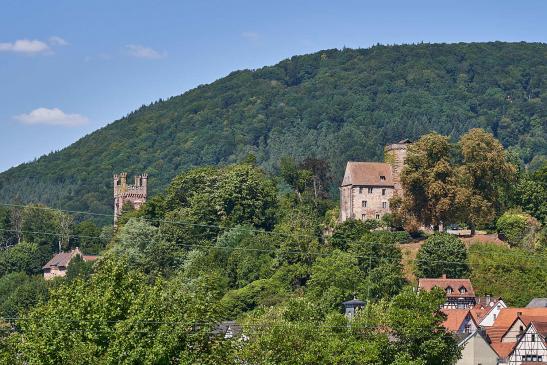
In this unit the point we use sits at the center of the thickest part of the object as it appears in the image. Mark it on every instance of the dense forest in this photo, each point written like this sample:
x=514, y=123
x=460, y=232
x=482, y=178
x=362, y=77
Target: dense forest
x=336, y=105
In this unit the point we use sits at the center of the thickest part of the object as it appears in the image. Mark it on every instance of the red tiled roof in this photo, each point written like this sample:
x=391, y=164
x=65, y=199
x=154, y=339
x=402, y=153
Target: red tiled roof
x=454, y=318
x=541, y=326
x=503, y=349
x=90, y=257
x=367, y=173
x=443, y=283
x=507, y=316
x=480, y=310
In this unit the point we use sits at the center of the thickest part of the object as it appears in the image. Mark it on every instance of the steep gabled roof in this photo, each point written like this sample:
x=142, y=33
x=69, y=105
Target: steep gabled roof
x=507, y=317
x=443, y=283
x=367, y=174
x=59, y=260
x=455, y=318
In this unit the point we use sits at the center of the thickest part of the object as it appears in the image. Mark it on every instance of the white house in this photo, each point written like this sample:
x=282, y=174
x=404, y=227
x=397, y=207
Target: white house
x=531, y=346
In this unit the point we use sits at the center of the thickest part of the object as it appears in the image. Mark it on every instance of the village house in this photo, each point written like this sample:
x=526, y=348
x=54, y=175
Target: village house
x=506, y=335
x=476, y=350
x=459, y=292
x=459, y=321
x=487, y=310
x=367, y=187
x=58, y=265
x=531, y=346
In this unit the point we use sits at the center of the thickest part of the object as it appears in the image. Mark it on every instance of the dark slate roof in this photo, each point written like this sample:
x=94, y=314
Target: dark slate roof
x=60, y=260
x=537, y=303
x=354, y=302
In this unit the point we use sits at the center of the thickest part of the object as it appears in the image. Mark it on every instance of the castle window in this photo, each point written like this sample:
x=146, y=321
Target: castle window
x=382, y=178
x=384, y=205
x=383, y=191
x=363, y=216
x=360, y=190
x=370, y=190
x=377, y=216
x=364, y=203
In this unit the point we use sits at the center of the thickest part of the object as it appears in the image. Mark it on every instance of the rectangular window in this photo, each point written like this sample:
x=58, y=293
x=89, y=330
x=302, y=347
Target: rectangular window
x=382, y=178
x=383, y=191
x=363, y=217
x=370, y=190
x=360, y=190
x=384, y=205
x=533, y=337
x=364, y=203
x=377, y=216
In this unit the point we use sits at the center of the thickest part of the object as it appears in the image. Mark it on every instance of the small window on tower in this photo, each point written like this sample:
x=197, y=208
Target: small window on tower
x=364, y=203
x=382, y=178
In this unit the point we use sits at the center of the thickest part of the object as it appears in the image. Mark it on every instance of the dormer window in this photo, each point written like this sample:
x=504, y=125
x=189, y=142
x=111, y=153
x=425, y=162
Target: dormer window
x=462, y=290
x=448, y=290
x=382, y=178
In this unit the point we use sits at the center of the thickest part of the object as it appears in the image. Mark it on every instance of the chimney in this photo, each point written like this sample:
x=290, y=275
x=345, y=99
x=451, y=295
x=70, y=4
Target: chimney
x=488, y=299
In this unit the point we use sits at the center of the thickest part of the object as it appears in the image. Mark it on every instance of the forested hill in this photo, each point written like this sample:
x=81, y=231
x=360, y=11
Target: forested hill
x=337, y=105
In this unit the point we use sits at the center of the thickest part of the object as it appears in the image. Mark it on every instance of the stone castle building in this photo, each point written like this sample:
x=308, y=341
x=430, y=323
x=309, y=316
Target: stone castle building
x=129, y=194
x=368, y=186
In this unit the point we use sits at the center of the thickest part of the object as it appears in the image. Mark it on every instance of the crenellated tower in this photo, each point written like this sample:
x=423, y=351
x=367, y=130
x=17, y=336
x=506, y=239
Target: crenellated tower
x=135, y=194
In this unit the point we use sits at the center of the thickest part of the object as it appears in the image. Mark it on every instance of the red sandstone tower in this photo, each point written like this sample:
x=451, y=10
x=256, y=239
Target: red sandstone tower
x=129, y=194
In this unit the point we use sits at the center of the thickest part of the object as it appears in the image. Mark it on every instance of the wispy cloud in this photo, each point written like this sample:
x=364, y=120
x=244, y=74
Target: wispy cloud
x=251, y=36
x=138, y=51
x=53, y=116
x=57, y=41
x=25, y=46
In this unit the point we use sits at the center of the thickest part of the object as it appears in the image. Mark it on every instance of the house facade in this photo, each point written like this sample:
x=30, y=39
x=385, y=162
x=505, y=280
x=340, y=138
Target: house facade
x=476, y=350
x=531, y=345
x=58, y=265
x=367, y=187
x=487, y=310
x=459, y=292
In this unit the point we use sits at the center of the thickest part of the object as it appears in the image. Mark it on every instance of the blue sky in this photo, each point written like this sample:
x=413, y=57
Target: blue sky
x=70, y=67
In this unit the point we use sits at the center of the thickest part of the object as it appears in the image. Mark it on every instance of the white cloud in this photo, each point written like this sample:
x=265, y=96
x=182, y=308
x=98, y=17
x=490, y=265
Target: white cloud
x=25, y=46
x=53, y=116
x=139, y=51
x=57, y=41
x=251, y=36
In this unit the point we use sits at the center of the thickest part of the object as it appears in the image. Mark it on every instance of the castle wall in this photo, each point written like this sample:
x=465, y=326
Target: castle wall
x=377, y=201
x=395, y=154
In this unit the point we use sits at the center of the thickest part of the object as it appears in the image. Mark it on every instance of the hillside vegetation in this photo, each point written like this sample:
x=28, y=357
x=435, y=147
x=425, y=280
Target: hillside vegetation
x=336, y=105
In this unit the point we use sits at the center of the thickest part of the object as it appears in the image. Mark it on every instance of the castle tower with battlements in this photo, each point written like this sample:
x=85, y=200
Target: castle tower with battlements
x=135, y=194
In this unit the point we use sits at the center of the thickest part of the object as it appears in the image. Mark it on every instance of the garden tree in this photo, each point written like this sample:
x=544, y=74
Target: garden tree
x=515, y=274
x=143, y=246
x=117, y=315
x=41, y=226
x=415, y=320
x=347, y=232
x=79, y=268
x=302, y=336
x=87, y=236
x=530, y=193
x=519, y=229
x=65, y=224
x=321, y=176
x=296, y=177
x=442, y=253
x=335, y=279
x=24, y=257
x=428, y=181
x=19, y=292
x=484, y=174
x=207, y=198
